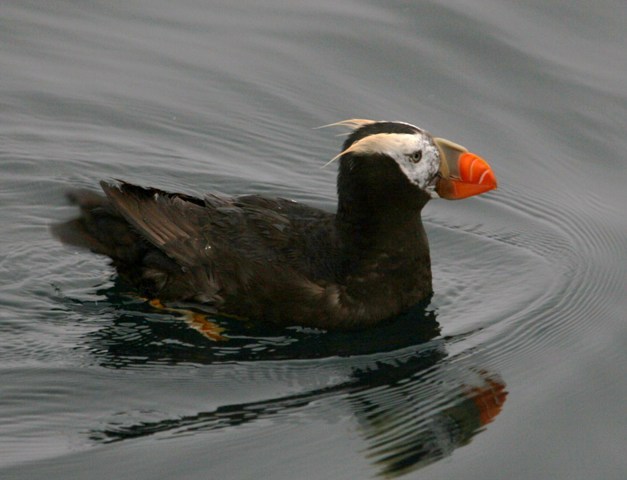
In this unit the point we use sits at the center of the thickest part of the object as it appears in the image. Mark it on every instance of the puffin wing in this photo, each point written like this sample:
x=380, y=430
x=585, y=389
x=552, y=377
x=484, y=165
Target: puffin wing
x=194, y=231
x=174, y=223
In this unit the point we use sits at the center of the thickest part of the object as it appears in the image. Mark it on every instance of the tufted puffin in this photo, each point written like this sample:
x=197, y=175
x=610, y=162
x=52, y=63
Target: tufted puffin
x=277, y=260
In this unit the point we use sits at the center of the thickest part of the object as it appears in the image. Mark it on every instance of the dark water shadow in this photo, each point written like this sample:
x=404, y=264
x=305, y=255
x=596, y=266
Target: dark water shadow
x=140, y=335
x=413, y=403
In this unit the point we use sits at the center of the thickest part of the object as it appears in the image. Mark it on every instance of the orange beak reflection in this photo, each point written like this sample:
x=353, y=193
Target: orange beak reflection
x=462, y=174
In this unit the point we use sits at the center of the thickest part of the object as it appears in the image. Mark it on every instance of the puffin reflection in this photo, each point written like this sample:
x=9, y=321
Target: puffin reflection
x=406, y=428
x=414, y=403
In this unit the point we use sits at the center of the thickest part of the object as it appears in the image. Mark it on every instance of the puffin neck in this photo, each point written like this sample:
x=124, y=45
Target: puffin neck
x=377, y=206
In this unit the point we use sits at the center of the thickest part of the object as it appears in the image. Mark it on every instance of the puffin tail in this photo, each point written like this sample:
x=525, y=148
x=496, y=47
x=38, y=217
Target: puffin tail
x=98, y=228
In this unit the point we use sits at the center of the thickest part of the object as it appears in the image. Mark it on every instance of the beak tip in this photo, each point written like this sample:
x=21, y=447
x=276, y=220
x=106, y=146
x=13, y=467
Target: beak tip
x=473, y=177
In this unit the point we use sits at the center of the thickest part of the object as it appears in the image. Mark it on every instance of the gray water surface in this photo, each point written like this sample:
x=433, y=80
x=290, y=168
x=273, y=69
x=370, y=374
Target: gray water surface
x=516, y=367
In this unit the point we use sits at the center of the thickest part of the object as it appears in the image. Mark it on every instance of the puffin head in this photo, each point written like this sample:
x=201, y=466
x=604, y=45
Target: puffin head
x=438, y=168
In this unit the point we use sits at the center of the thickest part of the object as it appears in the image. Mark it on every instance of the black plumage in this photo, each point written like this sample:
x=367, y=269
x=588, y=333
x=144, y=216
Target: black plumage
x=270, y=258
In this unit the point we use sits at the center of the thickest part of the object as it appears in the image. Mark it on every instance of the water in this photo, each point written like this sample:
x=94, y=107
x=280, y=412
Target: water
x=514, y=369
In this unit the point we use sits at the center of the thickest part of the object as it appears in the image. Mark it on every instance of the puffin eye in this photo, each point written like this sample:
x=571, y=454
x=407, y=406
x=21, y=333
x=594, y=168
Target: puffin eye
x=416, y=156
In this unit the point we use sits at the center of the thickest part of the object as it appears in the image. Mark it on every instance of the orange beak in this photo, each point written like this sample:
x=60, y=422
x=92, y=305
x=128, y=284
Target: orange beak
x=462, y=174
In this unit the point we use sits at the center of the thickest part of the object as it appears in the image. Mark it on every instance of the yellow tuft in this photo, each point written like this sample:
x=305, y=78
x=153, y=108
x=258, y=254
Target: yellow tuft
x=351, y=123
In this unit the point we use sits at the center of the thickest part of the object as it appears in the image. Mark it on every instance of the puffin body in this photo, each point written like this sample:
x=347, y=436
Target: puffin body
x=277, y=260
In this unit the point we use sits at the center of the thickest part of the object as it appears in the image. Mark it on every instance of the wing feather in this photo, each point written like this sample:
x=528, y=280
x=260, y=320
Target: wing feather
x=171, y=222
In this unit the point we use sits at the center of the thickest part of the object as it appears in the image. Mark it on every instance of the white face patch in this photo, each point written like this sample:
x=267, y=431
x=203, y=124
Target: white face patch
x=403, y=148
